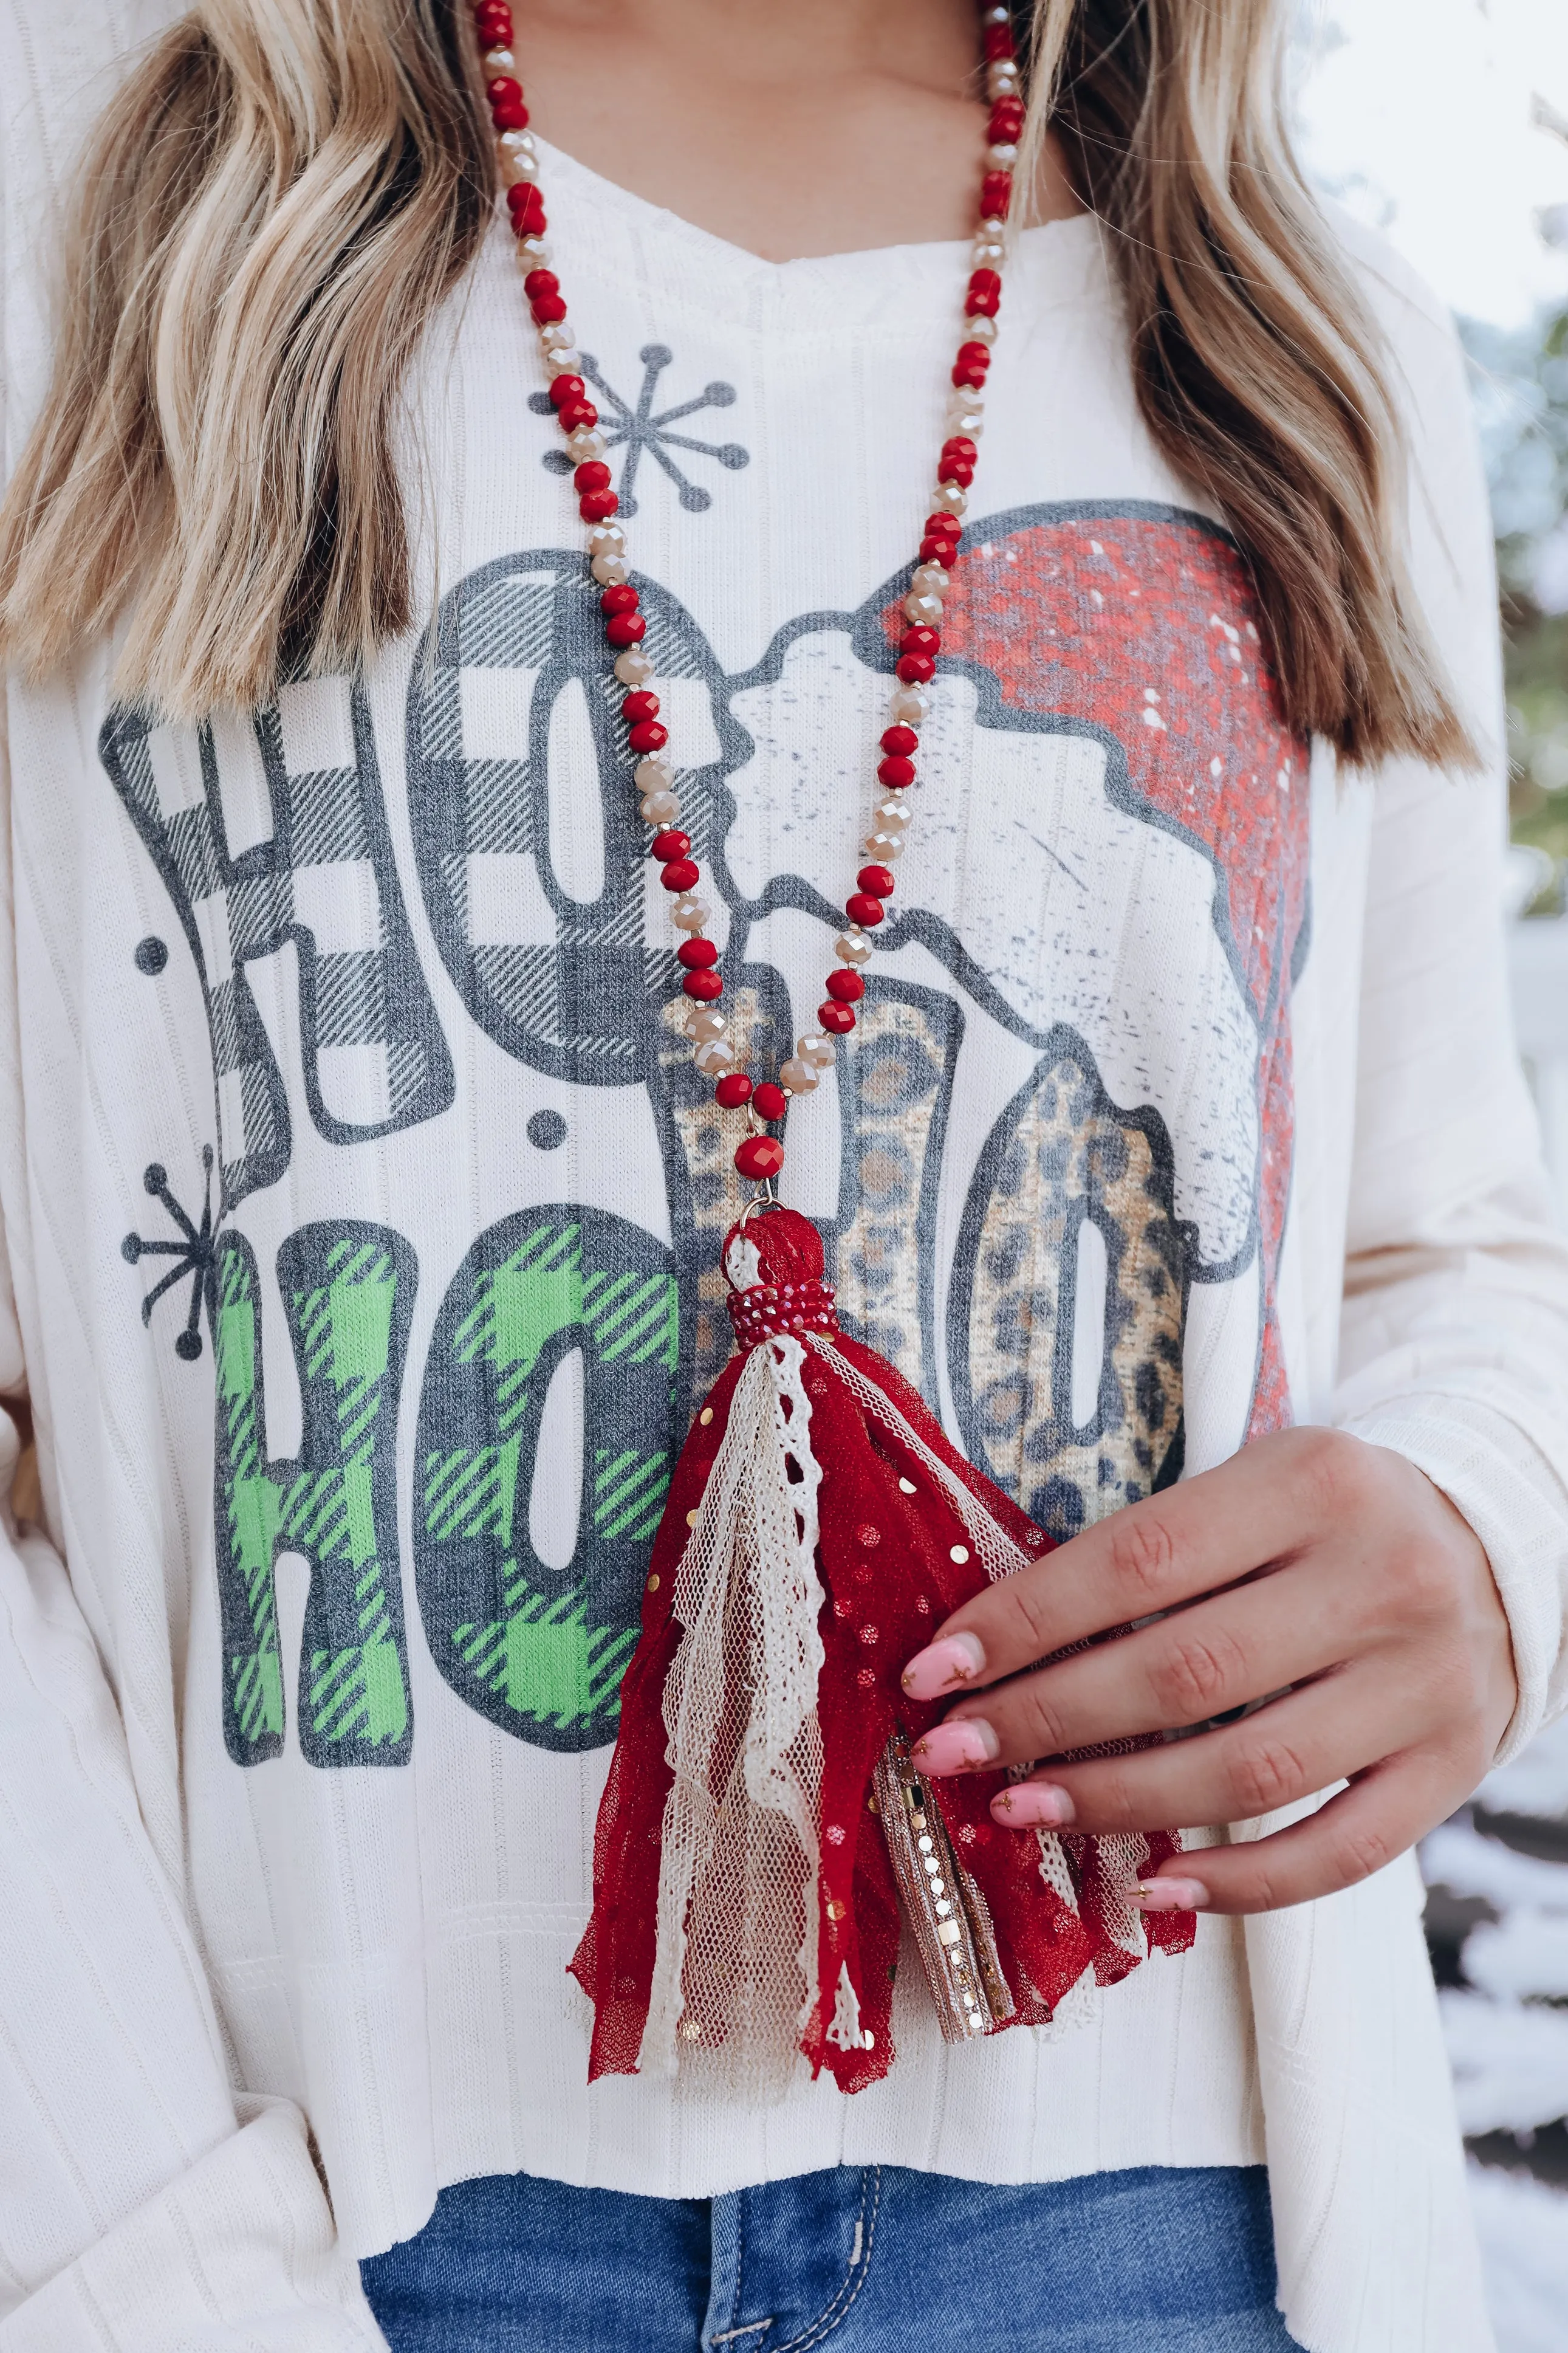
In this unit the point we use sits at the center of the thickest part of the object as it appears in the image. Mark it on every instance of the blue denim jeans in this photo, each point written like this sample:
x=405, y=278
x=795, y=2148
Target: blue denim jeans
x=866, y=2259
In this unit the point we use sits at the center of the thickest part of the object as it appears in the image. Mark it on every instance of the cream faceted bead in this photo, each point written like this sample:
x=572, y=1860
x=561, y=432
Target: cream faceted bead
x=980, y=330
x=1002, y=79
x=893, y=814
x=926, y=608
x=965, y=416
x=653, y=776
x=568, y=362
x=532, y=253
x=520, y=167
x=633, y=667
x=707, y=1022
x=852, y=946
x=585, y=444
x=556, y=336
x=949, y=495
x=1001, y=159
x=797, y=1076
x=907, y=705
x=689, y=914
x=497, y=62
x=931, y=580
x=885, y=846
x=659, y=808
x=816, y=1049
x=715, y=1058
x=606, y=539
x=989, y=252
x=610, y=571
x=516, y=143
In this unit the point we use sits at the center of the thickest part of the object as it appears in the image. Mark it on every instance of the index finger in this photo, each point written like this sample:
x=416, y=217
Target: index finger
x=1257, y=1510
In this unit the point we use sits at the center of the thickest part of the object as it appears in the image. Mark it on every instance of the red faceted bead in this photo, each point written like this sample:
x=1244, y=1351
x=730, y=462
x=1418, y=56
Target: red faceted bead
x=995, y=195
x=625, y=629
x=986, y=282
x=670, y=842
x=979, y=303
x=899, y=742
x=919, y=640
x=959, y=445
x=975, y=354
x=770, y=1102
x=760, y=1155
x=969, y=374
x=845, y=986
x=915, y=670
x=649, y=734
x=541, y=281
x=880, y=881
x=643, y=705
x=575, y=413
x=493, y=22
x=957, y=471
x=1005, y=123
x=592, y=474
x=944, y=526
x=998, y=42
x=620, y=598
x=703, y=986
x=547, y=309
x=526, y=206
x=695, y=954
x=681, y=874
x=839, y=1019
x=733, y=1089
x=863, y=908
x=507, y=112
x=565, y=388
x=897, y=772
x=597, y=506
x=938, y=551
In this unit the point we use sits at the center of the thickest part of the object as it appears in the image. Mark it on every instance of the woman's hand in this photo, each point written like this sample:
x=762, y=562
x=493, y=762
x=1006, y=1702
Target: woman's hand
x=1310, y=1560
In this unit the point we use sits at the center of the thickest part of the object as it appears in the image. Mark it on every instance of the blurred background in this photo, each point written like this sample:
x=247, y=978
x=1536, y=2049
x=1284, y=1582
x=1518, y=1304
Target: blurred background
x=1444, y=124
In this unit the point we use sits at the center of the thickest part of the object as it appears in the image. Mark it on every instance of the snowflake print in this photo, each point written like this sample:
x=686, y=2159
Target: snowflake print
x=193, y=1251
x=638, y=429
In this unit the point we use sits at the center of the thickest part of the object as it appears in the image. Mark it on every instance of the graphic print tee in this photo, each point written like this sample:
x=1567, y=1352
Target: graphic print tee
x=365, y=1245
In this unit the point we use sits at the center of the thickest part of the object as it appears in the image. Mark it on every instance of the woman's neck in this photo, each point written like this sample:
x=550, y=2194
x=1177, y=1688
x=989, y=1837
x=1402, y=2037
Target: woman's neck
x=822, y=126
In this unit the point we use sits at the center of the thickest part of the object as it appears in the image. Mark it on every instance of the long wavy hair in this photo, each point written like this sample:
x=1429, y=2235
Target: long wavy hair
x=284, y=192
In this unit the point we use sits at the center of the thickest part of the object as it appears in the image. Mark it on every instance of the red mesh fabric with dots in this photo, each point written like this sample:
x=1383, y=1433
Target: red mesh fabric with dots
x=886, y=1532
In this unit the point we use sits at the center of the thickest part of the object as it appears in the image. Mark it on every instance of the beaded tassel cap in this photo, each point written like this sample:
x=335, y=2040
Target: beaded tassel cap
x=762, y=1834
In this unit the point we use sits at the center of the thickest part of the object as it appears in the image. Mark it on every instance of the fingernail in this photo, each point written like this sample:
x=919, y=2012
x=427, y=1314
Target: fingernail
x=1032, y=1805
x=943, y=1666
x=1170, y=1896
x=957, y=1748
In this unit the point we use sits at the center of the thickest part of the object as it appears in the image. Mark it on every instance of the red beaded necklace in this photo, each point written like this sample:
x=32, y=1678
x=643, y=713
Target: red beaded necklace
x=764, y=1829
x=761, y=1156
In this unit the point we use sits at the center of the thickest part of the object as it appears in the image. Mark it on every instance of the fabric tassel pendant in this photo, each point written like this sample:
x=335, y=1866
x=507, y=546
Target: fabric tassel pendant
x=763, y=1832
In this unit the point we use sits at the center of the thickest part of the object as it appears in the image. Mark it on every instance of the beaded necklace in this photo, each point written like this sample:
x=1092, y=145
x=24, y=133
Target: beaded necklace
x=764, y=1831
x=760, y=1155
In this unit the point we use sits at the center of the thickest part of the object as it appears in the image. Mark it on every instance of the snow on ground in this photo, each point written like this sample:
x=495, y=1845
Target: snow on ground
x=1498, y=1921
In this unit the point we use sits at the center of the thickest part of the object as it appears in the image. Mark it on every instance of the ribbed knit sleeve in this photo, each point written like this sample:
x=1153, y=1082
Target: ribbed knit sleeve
x=1454, y=1334
x=141, y=2205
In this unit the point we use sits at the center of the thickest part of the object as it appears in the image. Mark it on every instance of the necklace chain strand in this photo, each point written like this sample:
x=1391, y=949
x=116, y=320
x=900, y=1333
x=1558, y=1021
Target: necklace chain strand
x=760, y=1155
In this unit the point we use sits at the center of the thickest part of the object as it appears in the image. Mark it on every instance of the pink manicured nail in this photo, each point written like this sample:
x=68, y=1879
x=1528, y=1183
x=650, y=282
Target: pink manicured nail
x=956, y=1659
x=1170, y=1896
x=1032, y=1805
x=957, y=1748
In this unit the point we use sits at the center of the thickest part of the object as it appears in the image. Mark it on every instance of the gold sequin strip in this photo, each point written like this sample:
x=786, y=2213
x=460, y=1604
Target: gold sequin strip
x=949, y=1915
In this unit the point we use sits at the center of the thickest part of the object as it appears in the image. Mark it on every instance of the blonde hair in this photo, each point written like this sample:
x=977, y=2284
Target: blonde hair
x=285, y=190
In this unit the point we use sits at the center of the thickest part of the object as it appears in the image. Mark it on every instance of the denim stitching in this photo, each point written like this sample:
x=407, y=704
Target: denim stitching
x=838, y=2310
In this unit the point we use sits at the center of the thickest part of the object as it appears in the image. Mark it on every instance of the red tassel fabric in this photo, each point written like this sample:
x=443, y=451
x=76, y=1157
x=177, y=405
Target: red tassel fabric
x=761, y=1822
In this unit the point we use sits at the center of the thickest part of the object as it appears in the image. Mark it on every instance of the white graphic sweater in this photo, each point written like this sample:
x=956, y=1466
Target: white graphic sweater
x=360, y=1216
